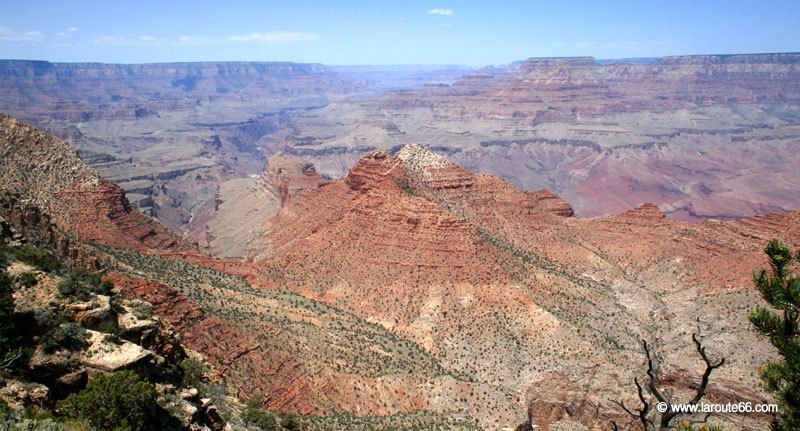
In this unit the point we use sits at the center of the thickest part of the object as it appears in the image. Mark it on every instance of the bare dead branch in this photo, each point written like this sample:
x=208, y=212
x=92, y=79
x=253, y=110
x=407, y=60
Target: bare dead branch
x=646, y=416
x=651, y=374
x=10, y=359
x=645, y=410
x=710, y=366
x=626, y=409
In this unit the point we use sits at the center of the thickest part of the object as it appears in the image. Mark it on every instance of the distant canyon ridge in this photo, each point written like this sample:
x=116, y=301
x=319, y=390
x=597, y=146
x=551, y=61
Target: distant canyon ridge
x=699, y=136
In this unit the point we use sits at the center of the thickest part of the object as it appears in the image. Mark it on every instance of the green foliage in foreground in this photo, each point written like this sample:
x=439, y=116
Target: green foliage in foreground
x=71, y=336
x=781, y=290
x=254, y=416
x=119, y=401
x=6, y=311
x=37, y=258
x=83, y=285
x=3, y=256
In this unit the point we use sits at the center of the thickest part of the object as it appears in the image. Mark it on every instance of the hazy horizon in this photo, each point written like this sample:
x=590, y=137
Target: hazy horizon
x=386, y=34
x=427, y=66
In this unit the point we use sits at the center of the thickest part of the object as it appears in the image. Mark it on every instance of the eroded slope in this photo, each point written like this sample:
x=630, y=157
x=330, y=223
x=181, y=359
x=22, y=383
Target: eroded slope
x=505, y=288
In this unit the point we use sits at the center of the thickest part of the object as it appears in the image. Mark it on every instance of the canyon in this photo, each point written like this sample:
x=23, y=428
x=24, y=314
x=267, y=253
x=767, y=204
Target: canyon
x=184, y=138
x=414, y=292
x=702, y=137
x=379, y=247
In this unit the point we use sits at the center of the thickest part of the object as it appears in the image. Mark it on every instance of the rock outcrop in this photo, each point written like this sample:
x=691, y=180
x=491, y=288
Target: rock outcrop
x=288, y=177
x=109, y=356
x=49, y=187
x=458, y=262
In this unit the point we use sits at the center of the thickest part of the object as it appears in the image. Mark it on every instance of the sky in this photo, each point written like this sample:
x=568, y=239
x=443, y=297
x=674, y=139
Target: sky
x=473, y=33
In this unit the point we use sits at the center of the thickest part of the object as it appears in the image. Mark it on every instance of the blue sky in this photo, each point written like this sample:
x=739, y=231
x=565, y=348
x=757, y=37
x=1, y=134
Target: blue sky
x=472, y=33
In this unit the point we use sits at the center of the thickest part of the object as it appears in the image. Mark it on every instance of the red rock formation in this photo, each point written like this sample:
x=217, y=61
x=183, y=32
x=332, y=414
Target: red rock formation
x=459, y=261
x=46, y=172
x=228, y=346
x=499, y=293
x=553, y=203
x=288, y=177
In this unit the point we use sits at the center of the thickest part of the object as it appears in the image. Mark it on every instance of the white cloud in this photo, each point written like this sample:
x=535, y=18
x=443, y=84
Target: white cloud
x=68, y=33
x=278, y=36
x=442, y=11
x=149, y=40
x=124, y=41
x=196, y=40
x=8, y=34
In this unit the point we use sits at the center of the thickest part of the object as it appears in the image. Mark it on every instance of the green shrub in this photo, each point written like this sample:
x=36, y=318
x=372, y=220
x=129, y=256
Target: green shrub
x=193, y=373
x=6, y=312
x=119, y=401
x=290, y=423
x=45, y=318
x=5, y=411
x=28, y=424
x=83, y=284
x=38, y=258
x=253, y=415
x=3, y=258
x=141, y=309
x=71, y=336
x=26, y=279
x=780, y=288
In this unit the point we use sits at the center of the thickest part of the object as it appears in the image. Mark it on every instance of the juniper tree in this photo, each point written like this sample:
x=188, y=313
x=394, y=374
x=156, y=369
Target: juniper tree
x=781, y=290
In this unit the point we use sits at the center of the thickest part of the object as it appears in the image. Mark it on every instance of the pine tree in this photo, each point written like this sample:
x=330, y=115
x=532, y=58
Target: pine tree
x=781, y=290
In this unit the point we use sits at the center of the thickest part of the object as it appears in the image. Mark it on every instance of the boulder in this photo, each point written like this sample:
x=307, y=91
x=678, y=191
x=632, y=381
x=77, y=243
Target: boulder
x=93, y=311
x=105, y=355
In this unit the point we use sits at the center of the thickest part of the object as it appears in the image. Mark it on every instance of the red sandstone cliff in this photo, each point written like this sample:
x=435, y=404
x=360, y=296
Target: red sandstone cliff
x=45, y=172
x=504, y=286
